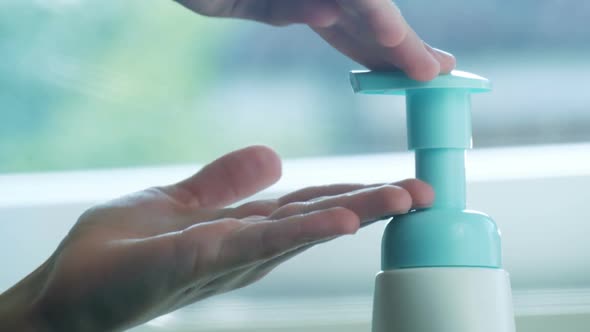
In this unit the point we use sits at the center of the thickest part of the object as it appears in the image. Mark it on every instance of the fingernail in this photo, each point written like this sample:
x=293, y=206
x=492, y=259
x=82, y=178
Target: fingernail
x=446, y=60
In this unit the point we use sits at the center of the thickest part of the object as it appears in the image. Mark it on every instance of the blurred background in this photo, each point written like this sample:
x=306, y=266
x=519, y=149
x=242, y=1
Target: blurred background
x=87, y=84
x=97, y=85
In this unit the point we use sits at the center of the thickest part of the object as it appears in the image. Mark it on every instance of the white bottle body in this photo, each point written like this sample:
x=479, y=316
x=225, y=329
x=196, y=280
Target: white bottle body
x=443, y=299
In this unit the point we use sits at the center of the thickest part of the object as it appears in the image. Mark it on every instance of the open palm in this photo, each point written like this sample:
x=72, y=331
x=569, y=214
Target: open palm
x=146, y=254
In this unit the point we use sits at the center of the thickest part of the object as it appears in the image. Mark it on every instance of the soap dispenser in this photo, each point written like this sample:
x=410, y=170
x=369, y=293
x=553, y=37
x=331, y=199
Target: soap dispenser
x=441, y=266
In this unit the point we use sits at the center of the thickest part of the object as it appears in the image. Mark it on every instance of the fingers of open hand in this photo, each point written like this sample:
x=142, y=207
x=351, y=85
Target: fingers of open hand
x=368, y=204
x=254, y=208
x=421, y=194
x=279, y=235
x=315, y=192
x=229, y=244
x=268, y=207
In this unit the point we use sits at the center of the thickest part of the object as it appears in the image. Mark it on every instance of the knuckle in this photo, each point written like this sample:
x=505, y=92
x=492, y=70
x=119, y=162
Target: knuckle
x=394, y=37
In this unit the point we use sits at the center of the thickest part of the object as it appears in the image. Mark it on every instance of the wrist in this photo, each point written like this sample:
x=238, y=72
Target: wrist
x=19, y=309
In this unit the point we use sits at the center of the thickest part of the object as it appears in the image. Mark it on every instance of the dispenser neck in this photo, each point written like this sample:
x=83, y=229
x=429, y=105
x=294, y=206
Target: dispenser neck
x=444, y=170
x=439, y=130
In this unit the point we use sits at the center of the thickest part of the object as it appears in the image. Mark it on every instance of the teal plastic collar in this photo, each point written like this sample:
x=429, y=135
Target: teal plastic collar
x=439, y=130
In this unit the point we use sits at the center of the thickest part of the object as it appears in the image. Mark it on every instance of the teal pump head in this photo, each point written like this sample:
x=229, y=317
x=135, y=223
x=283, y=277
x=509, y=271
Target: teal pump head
x=441, y=266
x=439, y=131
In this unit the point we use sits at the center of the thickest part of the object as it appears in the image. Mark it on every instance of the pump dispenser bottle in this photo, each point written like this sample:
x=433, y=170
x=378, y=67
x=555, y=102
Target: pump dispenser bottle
x=442, y=266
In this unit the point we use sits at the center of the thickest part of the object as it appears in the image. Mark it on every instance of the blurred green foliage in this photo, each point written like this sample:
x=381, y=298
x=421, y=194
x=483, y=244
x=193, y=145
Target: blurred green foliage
x=102, y=84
